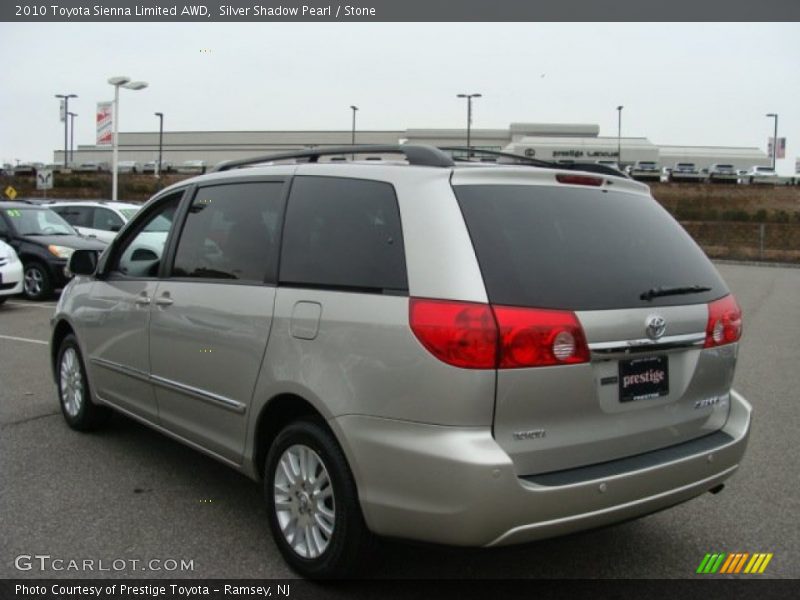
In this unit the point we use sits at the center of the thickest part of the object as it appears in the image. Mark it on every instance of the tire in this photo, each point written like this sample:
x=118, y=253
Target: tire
x=36, y=282
x=74, y=394
x=3, y=299
x=342, y=544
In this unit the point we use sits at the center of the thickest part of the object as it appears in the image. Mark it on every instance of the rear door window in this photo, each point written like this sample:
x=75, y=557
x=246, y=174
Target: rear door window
x=581, y=249
x=343, y=234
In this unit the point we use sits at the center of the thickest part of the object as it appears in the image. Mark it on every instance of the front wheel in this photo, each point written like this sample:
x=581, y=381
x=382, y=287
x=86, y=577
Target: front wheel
x=313, y=505
x=73, y=389
x=36, y=284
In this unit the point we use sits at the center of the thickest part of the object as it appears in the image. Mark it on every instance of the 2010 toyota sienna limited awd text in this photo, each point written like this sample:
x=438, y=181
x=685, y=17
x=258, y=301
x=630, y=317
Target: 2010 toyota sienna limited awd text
x=454, y=352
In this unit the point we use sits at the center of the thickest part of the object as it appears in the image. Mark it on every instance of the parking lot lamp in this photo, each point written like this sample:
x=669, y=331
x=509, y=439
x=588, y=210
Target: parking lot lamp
x=65, y=98
x=619, y=135
x=353, y=130
x=72, y=116
x=117, y=82
x=160, y=141
x=774, y=139
x=469, y=98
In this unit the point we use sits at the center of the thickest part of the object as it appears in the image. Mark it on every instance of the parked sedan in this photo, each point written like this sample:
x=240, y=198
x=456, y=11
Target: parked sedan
x=44, y=242
x=761, y=175
x=686, y=171
x=10, y=272
x=96, y=219
x=718, y=173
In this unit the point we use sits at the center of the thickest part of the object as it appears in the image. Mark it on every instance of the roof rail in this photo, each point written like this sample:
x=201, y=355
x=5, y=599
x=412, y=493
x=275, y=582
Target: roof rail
x=416, y=155
x=535, y=162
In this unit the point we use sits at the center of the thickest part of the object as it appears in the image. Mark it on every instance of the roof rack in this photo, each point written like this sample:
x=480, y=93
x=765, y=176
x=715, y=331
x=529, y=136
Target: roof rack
x=416, y=155
x=534, y=162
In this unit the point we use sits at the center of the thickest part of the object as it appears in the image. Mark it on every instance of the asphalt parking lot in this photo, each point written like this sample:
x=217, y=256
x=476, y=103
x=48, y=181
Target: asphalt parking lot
x=129, y=493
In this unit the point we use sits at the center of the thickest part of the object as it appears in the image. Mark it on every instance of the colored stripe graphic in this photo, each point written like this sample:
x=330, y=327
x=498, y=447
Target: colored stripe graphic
x=733, y=563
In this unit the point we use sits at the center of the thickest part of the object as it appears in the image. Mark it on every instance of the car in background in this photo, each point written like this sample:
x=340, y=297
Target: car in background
x=192, y=166
x=645, y=170
x=10, y=272
x=93, y=219
x=686, y=172
x=25, y=169
x=91, y=166
x=150, y=166
x=129, y=166
x=758, y=174
x=44, y=243
x=719, y=173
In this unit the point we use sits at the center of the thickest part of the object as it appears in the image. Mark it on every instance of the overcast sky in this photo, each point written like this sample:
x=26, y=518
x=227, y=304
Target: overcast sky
x=694, y=84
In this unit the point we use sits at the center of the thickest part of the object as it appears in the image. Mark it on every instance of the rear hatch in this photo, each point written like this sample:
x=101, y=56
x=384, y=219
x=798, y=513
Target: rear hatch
x=640, y=289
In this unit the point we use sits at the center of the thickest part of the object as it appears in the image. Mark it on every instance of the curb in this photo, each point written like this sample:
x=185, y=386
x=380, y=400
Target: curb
x=756, y=263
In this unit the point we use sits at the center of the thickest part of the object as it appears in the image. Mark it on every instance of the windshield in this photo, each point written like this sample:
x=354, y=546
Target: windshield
x=128, y=212
x=764, y=169
x=159, y=225
x=38, y=221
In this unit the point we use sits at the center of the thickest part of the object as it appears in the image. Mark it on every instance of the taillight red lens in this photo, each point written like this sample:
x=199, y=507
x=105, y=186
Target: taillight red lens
x=724, y=322
x=531, y=337
x=579, y=179
x=479, y=336
x=462, y=334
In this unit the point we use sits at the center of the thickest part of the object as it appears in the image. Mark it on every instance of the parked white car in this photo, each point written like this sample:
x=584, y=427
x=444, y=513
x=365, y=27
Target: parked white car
x=101, y=220
x=129, y=166
x=761, y=175
x=192, y=166
x=10, y=272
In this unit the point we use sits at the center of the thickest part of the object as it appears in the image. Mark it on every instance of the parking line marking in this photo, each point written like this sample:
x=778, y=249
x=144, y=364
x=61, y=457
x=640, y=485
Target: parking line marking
x=19, y=339
x=37, y=305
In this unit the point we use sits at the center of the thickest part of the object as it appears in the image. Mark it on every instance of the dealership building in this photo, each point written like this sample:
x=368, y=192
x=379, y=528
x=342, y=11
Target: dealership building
x=546, y=141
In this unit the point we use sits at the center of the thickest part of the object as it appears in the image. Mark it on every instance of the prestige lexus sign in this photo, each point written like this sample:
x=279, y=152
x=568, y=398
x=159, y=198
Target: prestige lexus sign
x=585, y=154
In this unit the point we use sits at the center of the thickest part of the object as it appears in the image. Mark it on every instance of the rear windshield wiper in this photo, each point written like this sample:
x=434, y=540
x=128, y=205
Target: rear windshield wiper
x=673, y=291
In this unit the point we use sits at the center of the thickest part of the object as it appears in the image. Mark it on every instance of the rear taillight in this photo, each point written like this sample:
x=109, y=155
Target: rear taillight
x=531, y=337
x=462, y=334
x=479, y=336
x=724, y=322
x=579, y=179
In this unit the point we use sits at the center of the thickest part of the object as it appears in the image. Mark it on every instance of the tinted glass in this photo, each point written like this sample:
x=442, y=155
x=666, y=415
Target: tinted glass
x=231, y=232
x=106, y=220
x=345, y=234
x=141, y=253
x=581, y=249
x=77, y=216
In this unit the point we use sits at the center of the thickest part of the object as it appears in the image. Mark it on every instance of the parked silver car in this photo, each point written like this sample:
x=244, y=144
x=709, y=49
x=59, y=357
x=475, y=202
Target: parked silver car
x=461, y=353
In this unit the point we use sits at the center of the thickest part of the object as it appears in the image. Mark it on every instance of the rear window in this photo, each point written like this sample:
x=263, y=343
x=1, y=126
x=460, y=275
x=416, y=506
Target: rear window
x=581, y=249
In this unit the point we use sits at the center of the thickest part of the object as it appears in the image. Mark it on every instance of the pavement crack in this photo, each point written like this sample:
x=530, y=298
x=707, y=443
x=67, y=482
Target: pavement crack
x=34, y=418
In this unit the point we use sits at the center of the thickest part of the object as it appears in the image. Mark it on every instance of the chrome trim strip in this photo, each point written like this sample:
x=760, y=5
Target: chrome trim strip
x=112, y=366
x=215, y=399
x=646, y=344
x=209, y=397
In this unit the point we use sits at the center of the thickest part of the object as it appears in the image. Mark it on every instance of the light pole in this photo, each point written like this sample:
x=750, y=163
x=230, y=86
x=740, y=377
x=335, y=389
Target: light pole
x=117, y=82
x=469, y=98
x=774, y=139
x=353, y=131
x=72, y=116
x=160, y=141
x=65, y=98
x=619, y=135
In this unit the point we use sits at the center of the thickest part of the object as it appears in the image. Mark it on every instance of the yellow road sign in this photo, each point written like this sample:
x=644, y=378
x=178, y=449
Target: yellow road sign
x=10, y=192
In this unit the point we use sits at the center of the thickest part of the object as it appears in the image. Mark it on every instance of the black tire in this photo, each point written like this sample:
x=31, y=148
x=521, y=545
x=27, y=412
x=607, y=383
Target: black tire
x=3, y=299
x=79, y=411
x=350, y=544
x=37, y=283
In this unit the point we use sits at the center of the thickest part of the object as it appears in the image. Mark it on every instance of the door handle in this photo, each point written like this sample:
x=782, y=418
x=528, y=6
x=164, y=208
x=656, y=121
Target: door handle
x=143, y=300
x=164, y=300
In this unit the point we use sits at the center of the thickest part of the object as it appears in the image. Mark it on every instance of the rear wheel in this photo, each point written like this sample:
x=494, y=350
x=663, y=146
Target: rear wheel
x=73, y=389
x=313, y=504
x=36, y=284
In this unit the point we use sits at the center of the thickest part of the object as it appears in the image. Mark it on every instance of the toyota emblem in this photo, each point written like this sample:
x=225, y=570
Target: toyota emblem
x=656, y=326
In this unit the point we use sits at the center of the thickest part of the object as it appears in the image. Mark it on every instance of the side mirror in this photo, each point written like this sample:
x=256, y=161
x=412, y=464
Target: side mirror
x=83, y=262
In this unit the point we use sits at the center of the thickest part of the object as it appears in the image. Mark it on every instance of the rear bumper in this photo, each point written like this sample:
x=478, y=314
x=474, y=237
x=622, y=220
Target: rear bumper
x=457, y=486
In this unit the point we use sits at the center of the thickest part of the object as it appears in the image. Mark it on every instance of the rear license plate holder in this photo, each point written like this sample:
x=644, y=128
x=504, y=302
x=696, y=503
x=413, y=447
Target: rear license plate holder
x=645, y=378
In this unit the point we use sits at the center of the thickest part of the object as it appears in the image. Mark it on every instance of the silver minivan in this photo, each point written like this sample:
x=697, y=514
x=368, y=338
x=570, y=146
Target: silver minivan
x=454, y=352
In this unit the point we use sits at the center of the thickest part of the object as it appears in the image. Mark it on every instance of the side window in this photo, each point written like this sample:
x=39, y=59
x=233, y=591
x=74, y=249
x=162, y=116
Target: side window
x=231, y=232
x=106, y=220
x=140, y=255
x=343, y=233
x=77, y=216
x=4, y=229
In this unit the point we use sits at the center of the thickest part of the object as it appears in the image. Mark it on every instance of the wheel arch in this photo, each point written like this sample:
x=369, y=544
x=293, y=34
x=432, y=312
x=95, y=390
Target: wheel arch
x=60, y=331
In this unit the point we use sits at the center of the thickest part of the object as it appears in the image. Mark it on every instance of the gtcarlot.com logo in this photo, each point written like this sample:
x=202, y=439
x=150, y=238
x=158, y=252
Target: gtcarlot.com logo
x=734, y=563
